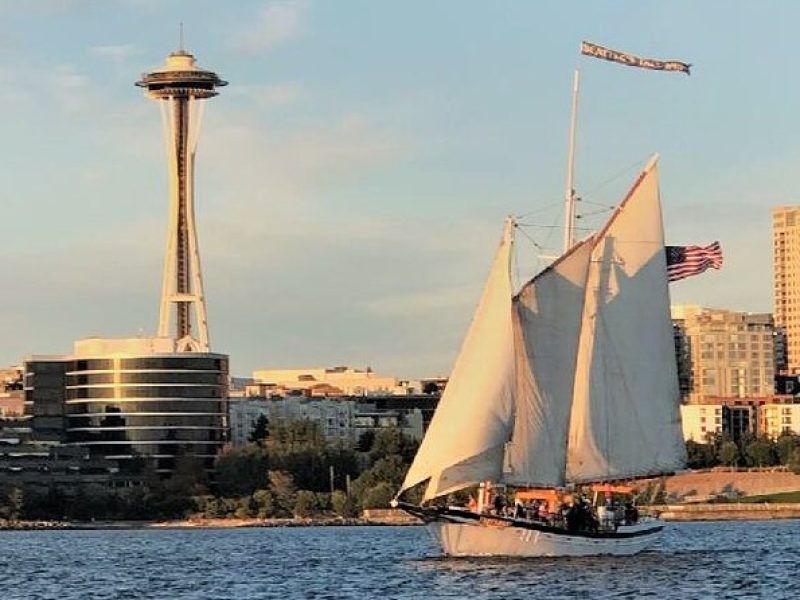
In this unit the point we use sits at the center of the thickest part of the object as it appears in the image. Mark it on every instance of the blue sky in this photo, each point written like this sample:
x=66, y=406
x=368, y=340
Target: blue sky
x=353, y=177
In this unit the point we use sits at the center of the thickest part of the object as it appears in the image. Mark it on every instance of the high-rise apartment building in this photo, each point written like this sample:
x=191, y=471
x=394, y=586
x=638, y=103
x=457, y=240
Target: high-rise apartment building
x=724, y=354
x=786, y=278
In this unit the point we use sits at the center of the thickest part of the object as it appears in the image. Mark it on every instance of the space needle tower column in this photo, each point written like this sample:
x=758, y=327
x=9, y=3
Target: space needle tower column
x=179, y=86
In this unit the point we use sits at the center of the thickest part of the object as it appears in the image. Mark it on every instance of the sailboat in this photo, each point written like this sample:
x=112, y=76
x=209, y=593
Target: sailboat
x=569, y=382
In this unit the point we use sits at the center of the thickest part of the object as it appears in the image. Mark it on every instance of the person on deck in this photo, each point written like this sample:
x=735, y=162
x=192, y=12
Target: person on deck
x=500, y=505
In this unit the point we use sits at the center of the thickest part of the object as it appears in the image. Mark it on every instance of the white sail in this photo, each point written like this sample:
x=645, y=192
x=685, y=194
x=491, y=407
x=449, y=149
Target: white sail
x=548, y=313
x=625, y=420
x=465, y=441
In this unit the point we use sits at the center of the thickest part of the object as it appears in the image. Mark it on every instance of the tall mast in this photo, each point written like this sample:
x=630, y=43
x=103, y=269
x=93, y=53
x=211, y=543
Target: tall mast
x=569, y=194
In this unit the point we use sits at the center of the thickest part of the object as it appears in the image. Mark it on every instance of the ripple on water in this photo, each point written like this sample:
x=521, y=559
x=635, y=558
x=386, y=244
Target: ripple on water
x=693, y=560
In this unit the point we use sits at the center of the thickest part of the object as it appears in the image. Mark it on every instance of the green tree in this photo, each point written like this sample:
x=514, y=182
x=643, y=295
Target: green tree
x=343, y=505
x=239, y=470
x=700, y=456
x=379, y=496
x=392, y=441
x=761, y=453
x=728, y=454
x=284, y=492
x=365, y=441
x=246, y=508
x=264, y=504
x=260, y=430
x=785, y=447
x=305, y=504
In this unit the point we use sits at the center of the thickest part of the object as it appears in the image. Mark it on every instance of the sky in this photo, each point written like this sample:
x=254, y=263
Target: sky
x=353, y=178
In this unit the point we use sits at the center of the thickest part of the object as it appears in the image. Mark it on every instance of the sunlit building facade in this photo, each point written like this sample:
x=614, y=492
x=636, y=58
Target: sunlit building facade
x=786, y=278
x=135, y=401
x=722, y=353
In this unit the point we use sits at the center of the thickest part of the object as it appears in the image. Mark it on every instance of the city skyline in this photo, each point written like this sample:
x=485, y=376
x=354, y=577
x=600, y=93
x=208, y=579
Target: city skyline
x=355, y=175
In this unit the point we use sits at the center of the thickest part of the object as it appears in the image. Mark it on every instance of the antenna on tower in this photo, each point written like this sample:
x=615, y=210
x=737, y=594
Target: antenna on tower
x=180, y=37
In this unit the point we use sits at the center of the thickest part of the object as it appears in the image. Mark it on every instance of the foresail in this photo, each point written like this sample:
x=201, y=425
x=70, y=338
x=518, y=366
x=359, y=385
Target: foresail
x=465, y=440
x=625, y=419
x=547, y=313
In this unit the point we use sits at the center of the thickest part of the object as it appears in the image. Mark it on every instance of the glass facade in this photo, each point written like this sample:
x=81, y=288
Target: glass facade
x=154, y=407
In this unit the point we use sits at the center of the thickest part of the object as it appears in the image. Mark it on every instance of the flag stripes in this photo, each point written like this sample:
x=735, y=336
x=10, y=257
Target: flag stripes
x=685, y=261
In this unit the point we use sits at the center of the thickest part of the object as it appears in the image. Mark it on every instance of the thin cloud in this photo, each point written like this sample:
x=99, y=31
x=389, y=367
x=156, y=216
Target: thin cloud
x=116, y=53
x=270, y=96
x=277, y=23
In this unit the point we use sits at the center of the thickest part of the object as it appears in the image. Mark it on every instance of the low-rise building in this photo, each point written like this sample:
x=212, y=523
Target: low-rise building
x=340, y=419
x=735, y=417
x=334, y=417
x=779, y=416
x=332, y=381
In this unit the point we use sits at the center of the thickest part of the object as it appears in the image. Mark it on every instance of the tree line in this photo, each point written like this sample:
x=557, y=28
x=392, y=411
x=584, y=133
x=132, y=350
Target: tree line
x=288, y=469
x=747, y=451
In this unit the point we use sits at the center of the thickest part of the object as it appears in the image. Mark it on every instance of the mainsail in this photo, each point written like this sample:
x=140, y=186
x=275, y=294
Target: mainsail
x=465, y=441
x=547, y=312
x=625, y=418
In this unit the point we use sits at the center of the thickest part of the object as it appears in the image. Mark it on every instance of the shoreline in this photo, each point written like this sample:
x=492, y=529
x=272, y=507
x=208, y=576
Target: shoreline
x=198, y=523
x=728, y=511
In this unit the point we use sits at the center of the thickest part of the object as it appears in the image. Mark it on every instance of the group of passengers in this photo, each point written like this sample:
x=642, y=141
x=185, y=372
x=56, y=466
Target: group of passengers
x=577, y=515
x=582, y=516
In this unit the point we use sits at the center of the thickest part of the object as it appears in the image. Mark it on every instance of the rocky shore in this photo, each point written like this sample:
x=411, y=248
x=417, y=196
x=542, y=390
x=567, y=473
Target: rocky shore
x=370, y=517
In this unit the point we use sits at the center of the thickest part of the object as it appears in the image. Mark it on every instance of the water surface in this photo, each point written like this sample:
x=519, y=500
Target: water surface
x=693, y=560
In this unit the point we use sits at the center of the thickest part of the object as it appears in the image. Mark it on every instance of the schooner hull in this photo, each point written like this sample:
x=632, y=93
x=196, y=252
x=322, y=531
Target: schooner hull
x=474, y=539
x=462, y=533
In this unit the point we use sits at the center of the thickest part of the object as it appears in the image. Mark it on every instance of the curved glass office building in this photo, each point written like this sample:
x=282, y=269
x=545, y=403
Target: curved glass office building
x=129, y=400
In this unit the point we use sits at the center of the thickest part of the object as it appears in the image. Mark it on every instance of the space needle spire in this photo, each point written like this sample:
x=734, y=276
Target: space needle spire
x=179, y=86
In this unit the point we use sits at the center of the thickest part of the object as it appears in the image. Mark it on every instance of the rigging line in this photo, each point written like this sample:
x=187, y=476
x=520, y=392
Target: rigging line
x=595, y=212
x=540, y=209
x=530, y=239
x=603, y=205
x=616, y=176
x=536, y=225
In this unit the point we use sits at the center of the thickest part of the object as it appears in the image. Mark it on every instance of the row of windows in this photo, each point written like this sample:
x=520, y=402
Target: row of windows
x=146, y=377
x=145, y=436
x=154, y=421
x=160, y=391
x=161, y=362
x=115, y=407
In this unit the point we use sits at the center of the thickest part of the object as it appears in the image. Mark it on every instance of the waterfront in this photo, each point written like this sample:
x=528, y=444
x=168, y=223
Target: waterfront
x=720, y=560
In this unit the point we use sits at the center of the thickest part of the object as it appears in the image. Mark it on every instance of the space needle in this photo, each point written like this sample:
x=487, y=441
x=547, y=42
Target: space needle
x=179, y=86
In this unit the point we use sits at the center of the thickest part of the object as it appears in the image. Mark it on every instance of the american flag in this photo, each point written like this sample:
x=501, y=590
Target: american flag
x=685, y=261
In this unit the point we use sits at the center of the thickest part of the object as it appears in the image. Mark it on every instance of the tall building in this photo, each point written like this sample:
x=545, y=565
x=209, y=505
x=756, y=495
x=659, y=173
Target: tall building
x=786, y=278
x=179, y=86
x=148, y=400
x=724, y=354
x=130, y=400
